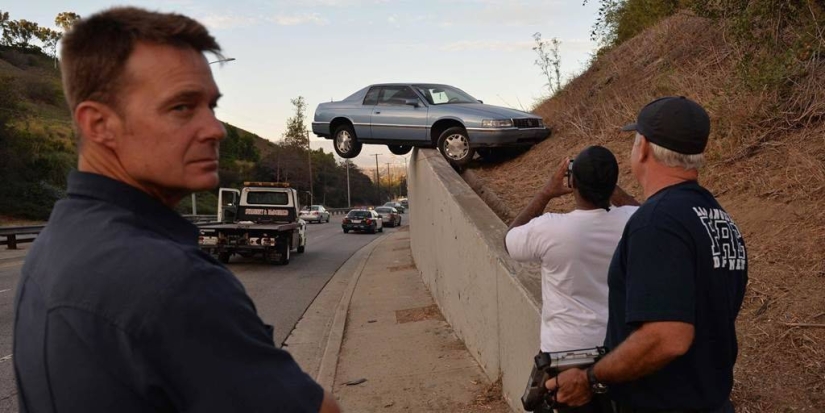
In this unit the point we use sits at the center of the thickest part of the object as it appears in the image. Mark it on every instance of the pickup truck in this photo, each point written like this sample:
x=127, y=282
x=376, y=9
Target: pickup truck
x=259, y=219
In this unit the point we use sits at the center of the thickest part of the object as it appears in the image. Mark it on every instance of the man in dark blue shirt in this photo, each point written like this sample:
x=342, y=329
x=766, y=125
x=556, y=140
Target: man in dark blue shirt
x=117, y=309
x=677, y=280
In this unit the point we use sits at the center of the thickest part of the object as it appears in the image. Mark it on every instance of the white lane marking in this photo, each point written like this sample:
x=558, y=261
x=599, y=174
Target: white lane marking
x=6, y=358
x=2, y=291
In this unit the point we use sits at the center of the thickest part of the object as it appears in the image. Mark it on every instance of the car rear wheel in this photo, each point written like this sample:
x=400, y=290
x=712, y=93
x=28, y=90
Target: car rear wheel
x=454, y=144
x=345, y=143
x=399, y=149
x=224, y=257
x=346, y=231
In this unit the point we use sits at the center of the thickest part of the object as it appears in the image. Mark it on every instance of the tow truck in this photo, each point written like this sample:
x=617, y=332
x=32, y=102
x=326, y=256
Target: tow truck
x=261, y=219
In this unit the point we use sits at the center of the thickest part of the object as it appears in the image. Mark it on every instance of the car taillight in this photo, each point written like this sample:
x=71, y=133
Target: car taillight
x=369, y=221
x=346, y=220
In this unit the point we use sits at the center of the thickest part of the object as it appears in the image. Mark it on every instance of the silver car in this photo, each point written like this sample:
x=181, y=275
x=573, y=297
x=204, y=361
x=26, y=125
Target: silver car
x=315, y=213
x=403, y=115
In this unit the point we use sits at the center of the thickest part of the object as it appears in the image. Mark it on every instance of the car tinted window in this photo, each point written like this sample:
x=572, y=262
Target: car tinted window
x=358, y=214
x=372, y=96
x=395, y=95
x=267, y=198
x=383, y=210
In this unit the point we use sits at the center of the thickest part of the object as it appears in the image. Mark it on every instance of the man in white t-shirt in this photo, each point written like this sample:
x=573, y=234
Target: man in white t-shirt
x=574, y=248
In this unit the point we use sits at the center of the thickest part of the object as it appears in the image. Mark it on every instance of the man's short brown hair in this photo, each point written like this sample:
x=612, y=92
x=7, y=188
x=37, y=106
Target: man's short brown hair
x=94, y=52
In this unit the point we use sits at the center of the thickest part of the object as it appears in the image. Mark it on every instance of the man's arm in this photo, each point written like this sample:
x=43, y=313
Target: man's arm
x=645, y=351
x=554, y=188
x=622, y=198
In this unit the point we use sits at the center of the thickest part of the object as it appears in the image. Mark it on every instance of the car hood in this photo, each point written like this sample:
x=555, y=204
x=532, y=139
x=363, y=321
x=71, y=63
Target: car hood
x=488, y=111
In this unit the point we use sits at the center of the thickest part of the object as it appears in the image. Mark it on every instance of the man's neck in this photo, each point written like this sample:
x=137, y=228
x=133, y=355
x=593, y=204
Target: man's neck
x=659, y=177
x=93, y=163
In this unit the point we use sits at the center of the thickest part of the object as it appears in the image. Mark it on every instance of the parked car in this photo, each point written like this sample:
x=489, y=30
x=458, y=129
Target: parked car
x=315, y=213
x=404, y=115
x=391, y=216
x=396, y=205
x=363, y=220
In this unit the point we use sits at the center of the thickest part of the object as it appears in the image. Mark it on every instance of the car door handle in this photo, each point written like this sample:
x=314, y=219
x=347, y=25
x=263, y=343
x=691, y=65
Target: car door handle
x=377, y=113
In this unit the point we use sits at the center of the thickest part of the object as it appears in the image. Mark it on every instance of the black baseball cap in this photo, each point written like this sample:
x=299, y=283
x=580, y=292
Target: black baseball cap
x=674, y=122
x=595, y=170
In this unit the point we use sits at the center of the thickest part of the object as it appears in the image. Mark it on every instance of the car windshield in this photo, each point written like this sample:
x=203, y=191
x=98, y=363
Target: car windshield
x=442, y=94
x=358, y=214
x=314, y=208
x=384, y=210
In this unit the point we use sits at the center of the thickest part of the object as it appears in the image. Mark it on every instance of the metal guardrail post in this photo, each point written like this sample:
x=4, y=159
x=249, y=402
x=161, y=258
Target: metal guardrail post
x=11, y=241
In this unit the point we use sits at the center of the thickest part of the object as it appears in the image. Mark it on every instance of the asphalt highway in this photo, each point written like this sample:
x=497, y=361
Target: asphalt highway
x=281, y=293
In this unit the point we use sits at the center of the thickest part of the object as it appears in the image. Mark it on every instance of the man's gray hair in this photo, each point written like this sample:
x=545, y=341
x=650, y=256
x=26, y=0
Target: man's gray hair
x=672, y=158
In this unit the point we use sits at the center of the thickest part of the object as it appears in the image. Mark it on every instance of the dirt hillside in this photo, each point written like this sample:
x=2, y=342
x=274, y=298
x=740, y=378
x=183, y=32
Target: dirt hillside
x=765, y=163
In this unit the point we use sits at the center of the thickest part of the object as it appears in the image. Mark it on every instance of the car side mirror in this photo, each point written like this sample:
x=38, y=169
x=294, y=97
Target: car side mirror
x=412, y=102
x=480, y=101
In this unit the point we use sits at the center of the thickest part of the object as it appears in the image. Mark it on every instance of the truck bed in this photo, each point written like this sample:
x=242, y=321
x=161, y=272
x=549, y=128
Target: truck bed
x=257, y=227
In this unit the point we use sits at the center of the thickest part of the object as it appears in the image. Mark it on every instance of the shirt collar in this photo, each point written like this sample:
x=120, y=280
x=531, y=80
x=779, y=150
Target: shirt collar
x=158, y=216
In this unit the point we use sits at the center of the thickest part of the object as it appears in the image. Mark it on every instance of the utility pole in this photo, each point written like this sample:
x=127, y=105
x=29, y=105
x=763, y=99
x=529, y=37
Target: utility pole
x=349, y=202
x=377, y=181
x=389, y=178
x=309, y=159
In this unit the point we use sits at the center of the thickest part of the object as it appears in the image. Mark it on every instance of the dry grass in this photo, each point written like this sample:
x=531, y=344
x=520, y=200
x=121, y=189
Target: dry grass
x=766, y=163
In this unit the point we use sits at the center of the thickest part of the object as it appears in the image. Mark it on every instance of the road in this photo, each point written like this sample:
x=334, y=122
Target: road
x=280, y=293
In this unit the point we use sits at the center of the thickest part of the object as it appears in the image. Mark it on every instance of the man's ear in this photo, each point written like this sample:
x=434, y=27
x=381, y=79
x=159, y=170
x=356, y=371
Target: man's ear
x=98, y=123
x=644, y=148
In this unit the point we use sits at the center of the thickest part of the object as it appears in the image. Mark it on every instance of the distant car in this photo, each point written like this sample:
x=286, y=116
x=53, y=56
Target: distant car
x=405, y=203
x=396, y=205
x=391, y=216
x=403, y=115
x=315, y=213
x=363, y=220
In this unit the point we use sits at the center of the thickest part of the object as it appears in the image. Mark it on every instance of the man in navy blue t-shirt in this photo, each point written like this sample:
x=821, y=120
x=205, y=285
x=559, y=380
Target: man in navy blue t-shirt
x=677, y=280
x=117, y=309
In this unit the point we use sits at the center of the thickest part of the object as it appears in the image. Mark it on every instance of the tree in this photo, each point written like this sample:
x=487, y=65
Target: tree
x=549, y=60
x=49, y=38
x=296, y=134
x=66, y=20
x=18, y=33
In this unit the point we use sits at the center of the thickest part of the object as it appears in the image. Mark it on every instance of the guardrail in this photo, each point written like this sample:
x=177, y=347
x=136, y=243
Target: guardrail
x=12, y=233
x=338, y=211
x=201, y=218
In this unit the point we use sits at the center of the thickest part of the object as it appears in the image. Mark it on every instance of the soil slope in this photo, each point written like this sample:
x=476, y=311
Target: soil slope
x=765, y=163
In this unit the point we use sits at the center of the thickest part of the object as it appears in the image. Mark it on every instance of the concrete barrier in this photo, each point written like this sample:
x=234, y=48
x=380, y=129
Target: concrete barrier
x=492, y=302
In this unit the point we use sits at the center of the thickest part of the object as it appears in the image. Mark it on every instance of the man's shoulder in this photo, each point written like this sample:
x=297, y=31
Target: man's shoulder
x=673, y=209
x=117, y=267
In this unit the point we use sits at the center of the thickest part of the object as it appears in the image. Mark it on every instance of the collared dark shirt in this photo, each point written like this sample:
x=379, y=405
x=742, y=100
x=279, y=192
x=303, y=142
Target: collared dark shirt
x=119, y=311
x=681, y=258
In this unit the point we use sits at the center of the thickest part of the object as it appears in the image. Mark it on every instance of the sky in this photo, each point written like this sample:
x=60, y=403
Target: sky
x=328, y=49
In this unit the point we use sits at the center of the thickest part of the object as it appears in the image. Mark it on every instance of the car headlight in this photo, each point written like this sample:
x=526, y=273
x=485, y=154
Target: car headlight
x=497, y=123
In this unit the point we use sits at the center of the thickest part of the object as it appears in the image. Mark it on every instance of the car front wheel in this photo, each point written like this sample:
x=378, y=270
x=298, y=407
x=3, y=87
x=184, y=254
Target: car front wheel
x=454, y=144
x=345, y=143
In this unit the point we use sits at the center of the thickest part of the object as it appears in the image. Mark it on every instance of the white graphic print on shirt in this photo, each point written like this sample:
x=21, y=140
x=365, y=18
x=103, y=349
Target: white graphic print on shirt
x=726, y=240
